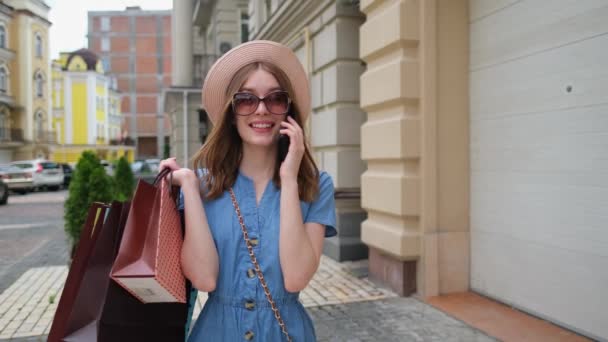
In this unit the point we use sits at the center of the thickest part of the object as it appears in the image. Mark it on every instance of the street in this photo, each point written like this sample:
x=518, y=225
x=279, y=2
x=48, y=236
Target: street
x=31, y=234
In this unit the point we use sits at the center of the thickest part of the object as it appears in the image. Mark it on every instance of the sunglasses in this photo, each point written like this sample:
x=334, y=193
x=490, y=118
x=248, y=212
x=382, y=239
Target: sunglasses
x=276, y=102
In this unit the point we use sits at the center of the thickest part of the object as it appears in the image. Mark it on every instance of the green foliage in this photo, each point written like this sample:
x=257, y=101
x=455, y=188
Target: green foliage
x=89, y=184
x=124, y=181
x=166, y=150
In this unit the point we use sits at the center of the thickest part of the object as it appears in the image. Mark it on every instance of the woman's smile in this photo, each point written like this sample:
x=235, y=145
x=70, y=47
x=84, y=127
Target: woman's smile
x=262, y=126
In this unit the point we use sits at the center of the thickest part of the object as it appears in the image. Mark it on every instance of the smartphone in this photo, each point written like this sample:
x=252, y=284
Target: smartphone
x=283, y=145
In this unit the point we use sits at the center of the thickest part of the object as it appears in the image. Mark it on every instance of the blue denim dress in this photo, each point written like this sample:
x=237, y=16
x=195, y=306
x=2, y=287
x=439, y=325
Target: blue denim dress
x=237, y=310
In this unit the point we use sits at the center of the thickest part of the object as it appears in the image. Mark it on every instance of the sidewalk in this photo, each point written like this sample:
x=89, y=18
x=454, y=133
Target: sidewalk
x=27, y=307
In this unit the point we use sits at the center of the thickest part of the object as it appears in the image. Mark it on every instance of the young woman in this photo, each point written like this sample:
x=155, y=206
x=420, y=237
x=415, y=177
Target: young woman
x=259, y=202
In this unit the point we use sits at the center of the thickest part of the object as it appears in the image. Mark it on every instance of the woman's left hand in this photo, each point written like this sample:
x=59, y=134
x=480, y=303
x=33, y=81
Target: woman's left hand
x=291, y=165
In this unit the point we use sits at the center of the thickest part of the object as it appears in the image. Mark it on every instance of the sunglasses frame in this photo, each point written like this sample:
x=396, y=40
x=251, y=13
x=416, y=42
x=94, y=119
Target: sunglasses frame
x=261, y=99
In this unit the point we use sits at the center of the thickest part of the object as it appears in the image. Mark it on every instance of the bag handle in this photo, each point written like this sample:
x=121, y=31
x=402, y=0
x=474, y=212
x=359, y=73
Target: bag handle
x=257, y=268
x=163, y=174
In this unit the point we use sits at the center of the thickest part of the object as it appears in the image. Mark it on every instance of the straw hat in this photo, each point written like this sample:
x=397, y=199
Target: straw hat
x=223, y=70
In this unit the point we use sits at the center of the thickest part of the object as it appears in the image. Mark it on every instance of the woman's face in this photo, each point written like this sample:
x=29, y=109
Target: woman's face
x=261, y=127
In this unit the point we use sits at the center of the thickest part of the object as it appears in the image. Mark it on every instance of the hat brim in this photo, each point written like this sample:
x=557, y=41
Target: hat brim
x=221, y=73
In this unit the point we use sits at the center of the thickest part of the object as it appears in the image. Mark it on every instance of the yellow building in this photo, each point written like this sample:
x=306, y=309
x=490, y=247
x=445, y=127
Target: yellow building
x=25, y=125
x=86, y=111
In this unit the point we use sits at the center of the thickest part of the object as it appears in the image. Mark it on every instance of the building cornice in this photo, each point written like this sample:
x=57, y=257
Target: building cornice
x=33, y=15
x=136, y=13
x=282, y=27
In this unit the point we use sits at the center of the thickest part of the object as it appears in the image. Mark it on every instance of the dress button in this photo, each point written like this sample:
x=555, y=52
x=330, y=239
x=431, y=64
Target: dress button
x=250, y=273
x=249, y=335
x=254, y=241
x=249, y=305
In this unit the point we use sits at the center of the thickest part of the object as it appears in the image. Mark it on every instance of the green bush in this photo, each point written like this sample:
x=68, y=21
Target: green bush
x=89, y=184
x=124, y=181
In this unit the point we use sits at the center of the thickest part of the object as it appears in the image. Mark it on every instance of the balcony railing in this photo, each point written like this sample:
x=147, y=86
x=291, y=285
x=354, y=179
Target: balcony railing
x=11, y=134
x=45, y=137
x=126, y=142
x=202, y=64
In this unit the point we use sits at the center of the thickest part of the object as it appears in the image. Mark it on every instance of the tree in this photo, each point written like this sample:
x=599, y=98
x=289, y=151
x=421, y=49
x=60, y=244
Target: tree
x=89, y=184
x=124, y=181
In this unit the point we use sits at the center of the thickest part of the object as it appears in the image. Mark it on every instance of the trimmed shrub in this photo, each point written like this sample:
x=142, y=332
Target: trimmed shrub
x=89, y=184
x=124, y=181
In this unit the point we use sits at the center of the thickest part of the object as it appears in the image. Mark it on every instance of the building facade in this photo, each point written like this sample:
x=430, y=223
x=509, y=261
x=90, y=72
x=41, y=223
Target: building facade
x=25, y=119
x=135, y=46
x=86, y=109
x=476, y=134
x=202, y=31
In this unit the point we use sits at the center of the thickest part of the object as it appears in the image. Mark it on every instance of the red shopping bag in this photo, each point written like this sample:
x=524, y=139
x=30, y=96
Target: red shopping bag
x=148, y=261
x=64, y=314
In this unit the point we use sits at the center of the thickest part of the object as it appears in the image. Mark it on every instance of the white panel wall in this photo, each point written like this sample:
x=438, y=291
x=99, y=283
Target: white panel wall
x=539, y=158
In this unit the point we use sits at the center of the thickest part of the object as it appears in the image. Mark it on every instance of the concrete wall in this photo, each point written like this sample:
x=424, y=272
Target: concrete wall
x=415, y=141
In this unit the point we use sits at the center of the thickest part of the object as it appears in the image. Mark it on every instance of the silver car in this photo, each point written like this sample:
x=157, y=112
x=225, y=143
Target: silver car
x=45, y=174
x=16, y=179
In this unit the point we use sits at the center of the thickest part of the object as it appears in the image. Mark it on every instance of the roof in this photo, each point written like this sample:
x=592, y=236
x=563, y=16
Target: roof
x=89, y=57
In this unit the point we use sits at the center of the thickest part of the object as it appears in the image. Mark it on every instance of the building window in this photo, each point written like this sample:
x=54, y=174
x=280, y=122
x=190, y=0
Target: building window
x=2, y=36
x=3, y=79
x=105, y=23
x=38, y=47
x=105, y=44
x=39, y=80
x=39, y=120
x=57, y=93
x=244, y=27
x=105, y=62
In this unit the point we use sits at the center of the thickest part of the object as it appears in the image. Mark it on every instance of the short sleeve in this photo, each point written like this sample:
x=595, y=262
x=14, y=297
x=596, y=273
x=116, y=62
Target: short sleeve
x=323, y=209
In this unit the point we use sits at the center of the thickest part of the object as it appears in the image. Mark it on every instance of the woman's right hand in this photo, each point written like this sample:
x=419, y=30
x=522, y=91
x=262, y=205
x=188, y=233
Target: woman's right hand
x=181, y=176
x=170, y=163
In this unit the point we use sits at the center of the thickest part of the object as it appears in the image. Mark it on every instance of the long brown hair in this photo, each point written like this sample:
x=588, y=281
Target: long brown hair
x=222, y=153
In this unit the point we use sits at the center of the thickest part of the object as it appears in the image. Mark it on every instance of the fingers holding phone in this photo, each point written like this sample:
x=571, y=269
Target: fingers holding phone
x=294, y=147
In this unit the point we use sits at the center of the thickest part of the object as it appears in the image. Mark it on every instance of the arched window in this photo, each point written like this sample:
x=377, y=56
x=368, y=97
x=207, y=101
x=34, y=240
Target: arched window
x=3, y=79
x=38, y=45
x=39, y=80
x=2, y=36
x=39, y=122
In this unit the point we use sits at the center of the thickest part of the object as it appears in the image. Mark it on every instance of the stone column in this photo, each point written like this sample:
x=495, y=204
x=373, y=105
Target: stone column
x=337, y=118
x=416, y=144
x=181, y=39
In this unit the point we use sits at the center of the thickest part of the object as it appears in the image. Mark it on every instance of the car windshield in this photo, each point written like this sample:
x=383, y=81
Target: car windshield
x=9, y=168
x=49, y=165
x=24, y=165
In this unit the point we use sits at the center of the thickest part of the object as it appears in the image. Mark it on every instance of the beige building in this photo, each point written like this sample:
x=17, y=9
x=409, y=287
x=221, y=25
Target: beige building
x=25, y=104
x=467, y=140
x=476, y=134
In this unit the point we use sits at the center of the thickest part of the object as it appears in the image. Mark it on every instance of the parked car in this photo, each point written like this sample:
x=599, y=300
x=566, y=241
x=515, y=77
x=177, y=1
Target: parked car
x=108, y=167
x=45, y=174
x=67, y=174
x=145, y=170
x=16, y=179
x=3, y=192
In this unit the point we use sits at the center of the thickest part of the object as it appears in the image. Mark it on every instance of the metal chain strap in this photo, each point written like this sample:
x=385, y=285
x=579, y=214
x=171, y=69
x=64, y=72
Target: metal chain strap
x=256, y=266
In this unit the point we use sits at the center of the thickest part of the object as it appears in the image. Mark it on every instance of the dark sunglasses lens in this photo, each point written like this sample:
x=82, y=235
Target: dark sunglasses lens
x=244, y=104
x=277, y=103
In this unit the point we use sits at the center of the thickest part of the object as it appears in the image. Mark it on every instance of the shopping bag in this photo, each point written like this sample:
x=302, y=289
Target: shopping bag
x=83, y=322
x=90, y=232
x=148, y=261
